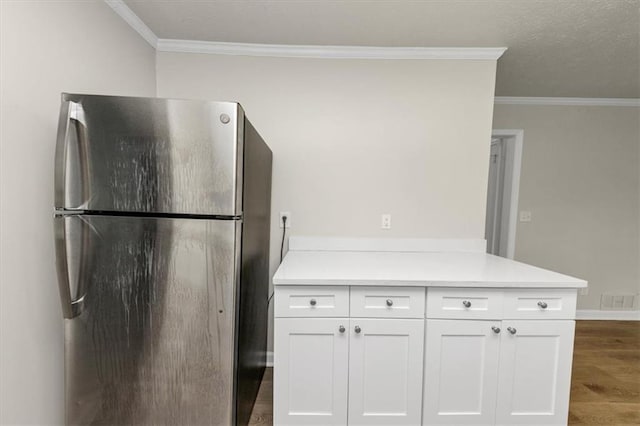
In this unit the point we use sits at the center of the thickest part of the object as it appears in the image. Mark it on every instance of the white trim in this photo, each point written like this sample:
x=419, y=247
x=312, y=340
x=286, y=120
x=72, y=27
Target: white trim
x=269, y=358
x=518, y=140
x=515, y=100
x=300, y=51
x=387, y=244
x=329, y=52
x=597, y=314
x=134, y=21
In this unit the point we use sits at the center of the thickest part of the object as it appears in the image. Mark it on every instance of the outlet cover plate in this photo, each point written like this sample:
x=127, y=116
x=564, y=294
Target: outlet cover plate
x=288, y=215
x=525, y=216
x=386, y=221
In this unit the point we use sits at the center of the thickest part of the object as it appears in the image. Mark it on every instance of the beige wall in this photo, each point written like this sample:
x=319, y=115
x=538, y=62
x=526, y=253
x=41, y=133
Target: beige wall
x=580, y=180
x=353, y=139
x=47, y=47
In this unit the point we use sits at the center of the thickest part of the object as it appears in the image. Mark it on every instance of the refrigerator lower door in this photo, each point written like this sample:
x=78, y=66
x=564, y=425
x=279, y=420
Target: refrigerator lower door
x=151, y=341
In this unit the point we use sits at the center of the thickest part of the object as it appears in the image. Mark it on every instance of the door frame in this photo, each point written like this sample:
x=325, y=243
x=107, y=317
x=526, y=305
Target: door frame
x=516, y=137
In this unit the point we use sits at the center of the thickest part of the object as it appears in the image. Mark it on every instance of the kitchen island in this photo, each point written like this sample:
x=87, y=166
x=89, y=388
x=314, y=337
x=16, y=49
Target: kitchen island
x=419, y=332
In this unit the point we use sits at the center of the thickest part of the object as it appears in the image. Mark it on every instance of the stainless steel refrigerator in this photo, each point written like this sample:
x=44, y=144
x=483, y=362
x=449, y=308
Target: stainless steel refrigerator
x=162, y=215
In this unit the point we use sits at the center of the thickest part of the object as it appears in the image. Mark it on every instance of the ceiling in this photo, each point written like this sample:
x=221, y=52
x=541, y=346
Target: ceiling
x=557, y=48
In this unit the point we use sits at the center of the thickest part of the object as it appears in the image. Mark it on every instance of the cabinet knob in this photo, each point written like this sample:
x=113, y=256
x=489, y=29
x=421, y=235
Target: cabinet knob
x=495, y=329
x=341, y=329
x=466, y=304
x=357, y=329
x=543, y=305
x=512, y=330
x=389, y=302
x=312, y=302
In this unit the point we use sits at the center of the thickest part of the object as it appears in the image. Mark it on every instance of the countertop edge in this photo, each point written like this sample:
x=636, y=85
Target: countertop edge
x=398, y=283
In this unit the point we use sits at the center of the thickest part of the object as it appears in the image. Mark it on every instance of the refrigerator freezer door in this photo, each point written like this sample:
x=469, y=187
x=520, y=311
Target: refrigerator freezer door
x=149, y=155
x=152, y=342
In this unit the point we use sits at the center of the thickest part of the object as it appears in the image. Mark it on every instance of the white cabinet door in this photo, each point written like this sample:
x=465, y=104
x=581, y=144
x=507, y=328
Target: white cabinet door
x=385, y=371
x=535, y=372
x=461, y=372
x=310, y=371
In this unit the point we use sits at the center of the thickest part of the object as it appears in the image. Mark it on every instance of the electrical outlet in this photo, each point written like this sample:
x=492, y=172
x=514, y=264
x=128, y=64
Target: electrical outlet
x=525, y=216
x=584, y=291
x=386, y=221
x=288, y=216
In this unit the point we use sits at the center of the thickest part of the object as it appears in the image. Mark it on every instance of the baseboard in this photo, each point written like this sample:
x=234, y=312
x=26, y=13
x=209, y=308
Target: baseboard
x=597, y=314
x=270, y=359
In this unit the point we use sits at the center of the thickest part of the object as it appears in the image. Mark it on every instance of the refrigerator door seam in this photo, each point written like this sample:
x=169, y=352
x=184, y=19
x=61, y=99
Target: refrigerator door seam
x=145, y=214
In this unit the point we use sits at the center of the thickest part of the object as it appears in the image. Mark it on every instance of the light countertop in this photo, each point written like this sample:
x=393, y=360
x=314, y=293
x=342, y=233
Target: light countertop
x=441, y=269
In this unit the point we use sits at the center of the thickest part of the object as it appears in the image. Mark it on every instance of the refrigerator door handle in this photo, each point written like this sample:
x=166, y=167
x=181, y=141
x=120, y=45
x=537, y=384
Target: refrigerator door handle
x=72, y=118
x=70, y=308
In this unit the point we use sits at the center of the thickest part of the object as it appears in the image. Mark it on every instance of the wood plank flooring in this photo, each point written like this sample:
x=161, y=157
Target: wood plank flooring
x=262, y=413
x=605, y=387
x=605, y=383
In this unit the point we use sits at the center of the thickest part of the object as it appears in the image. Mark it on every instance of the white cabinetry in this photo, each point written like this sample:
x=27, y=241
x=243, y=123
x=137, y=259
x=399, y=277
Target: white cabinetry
x=314, y=302
x=371, y=362
x=502, y=370
x=387, y=302
x=362, y=356
x=461, y=372
x=385, y=357
x=310, y=384
x=535, y=372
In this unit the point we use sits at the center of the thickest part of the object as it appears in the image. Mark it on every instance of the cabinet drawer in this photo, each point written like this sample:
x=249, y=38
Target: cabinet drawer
x=464, y=303
x=312, y=301
x=540, y=304
x=387, y=302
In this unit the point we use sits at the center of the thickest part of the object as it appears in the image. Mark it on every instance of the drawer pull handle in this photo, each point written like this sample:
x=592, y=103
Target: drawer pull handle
x=495, y=329
x=543, y=305
x=341, y=329
x=512, y=330
x=389, y=302
x=357, y=329
x=466, y=304
x=312, y=302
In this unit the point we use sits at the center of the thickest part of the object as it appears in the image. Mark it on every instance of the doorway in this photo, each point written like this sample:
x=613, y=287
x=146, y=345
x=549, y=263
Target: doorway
x=505, y=160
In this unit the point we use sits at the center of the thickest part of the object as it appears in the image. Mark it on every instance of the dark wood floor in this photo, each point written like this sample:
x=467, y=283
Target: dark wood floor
x=263, y=409
x=605, y=387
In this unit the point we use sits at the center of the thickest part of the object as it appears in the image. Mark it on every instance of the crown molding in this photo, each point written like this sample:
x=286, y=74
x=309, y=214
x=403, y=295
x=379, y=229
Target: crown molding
x=121, y=8
x=514, y=100
x=300, y=51
x=329, y=52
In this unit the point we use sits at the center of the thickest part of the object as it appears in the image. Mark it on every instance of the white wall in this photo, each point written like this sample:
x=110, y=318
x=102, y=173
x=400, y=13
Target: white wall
x=580, y=180
x=46, y=48
x=353, y=139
